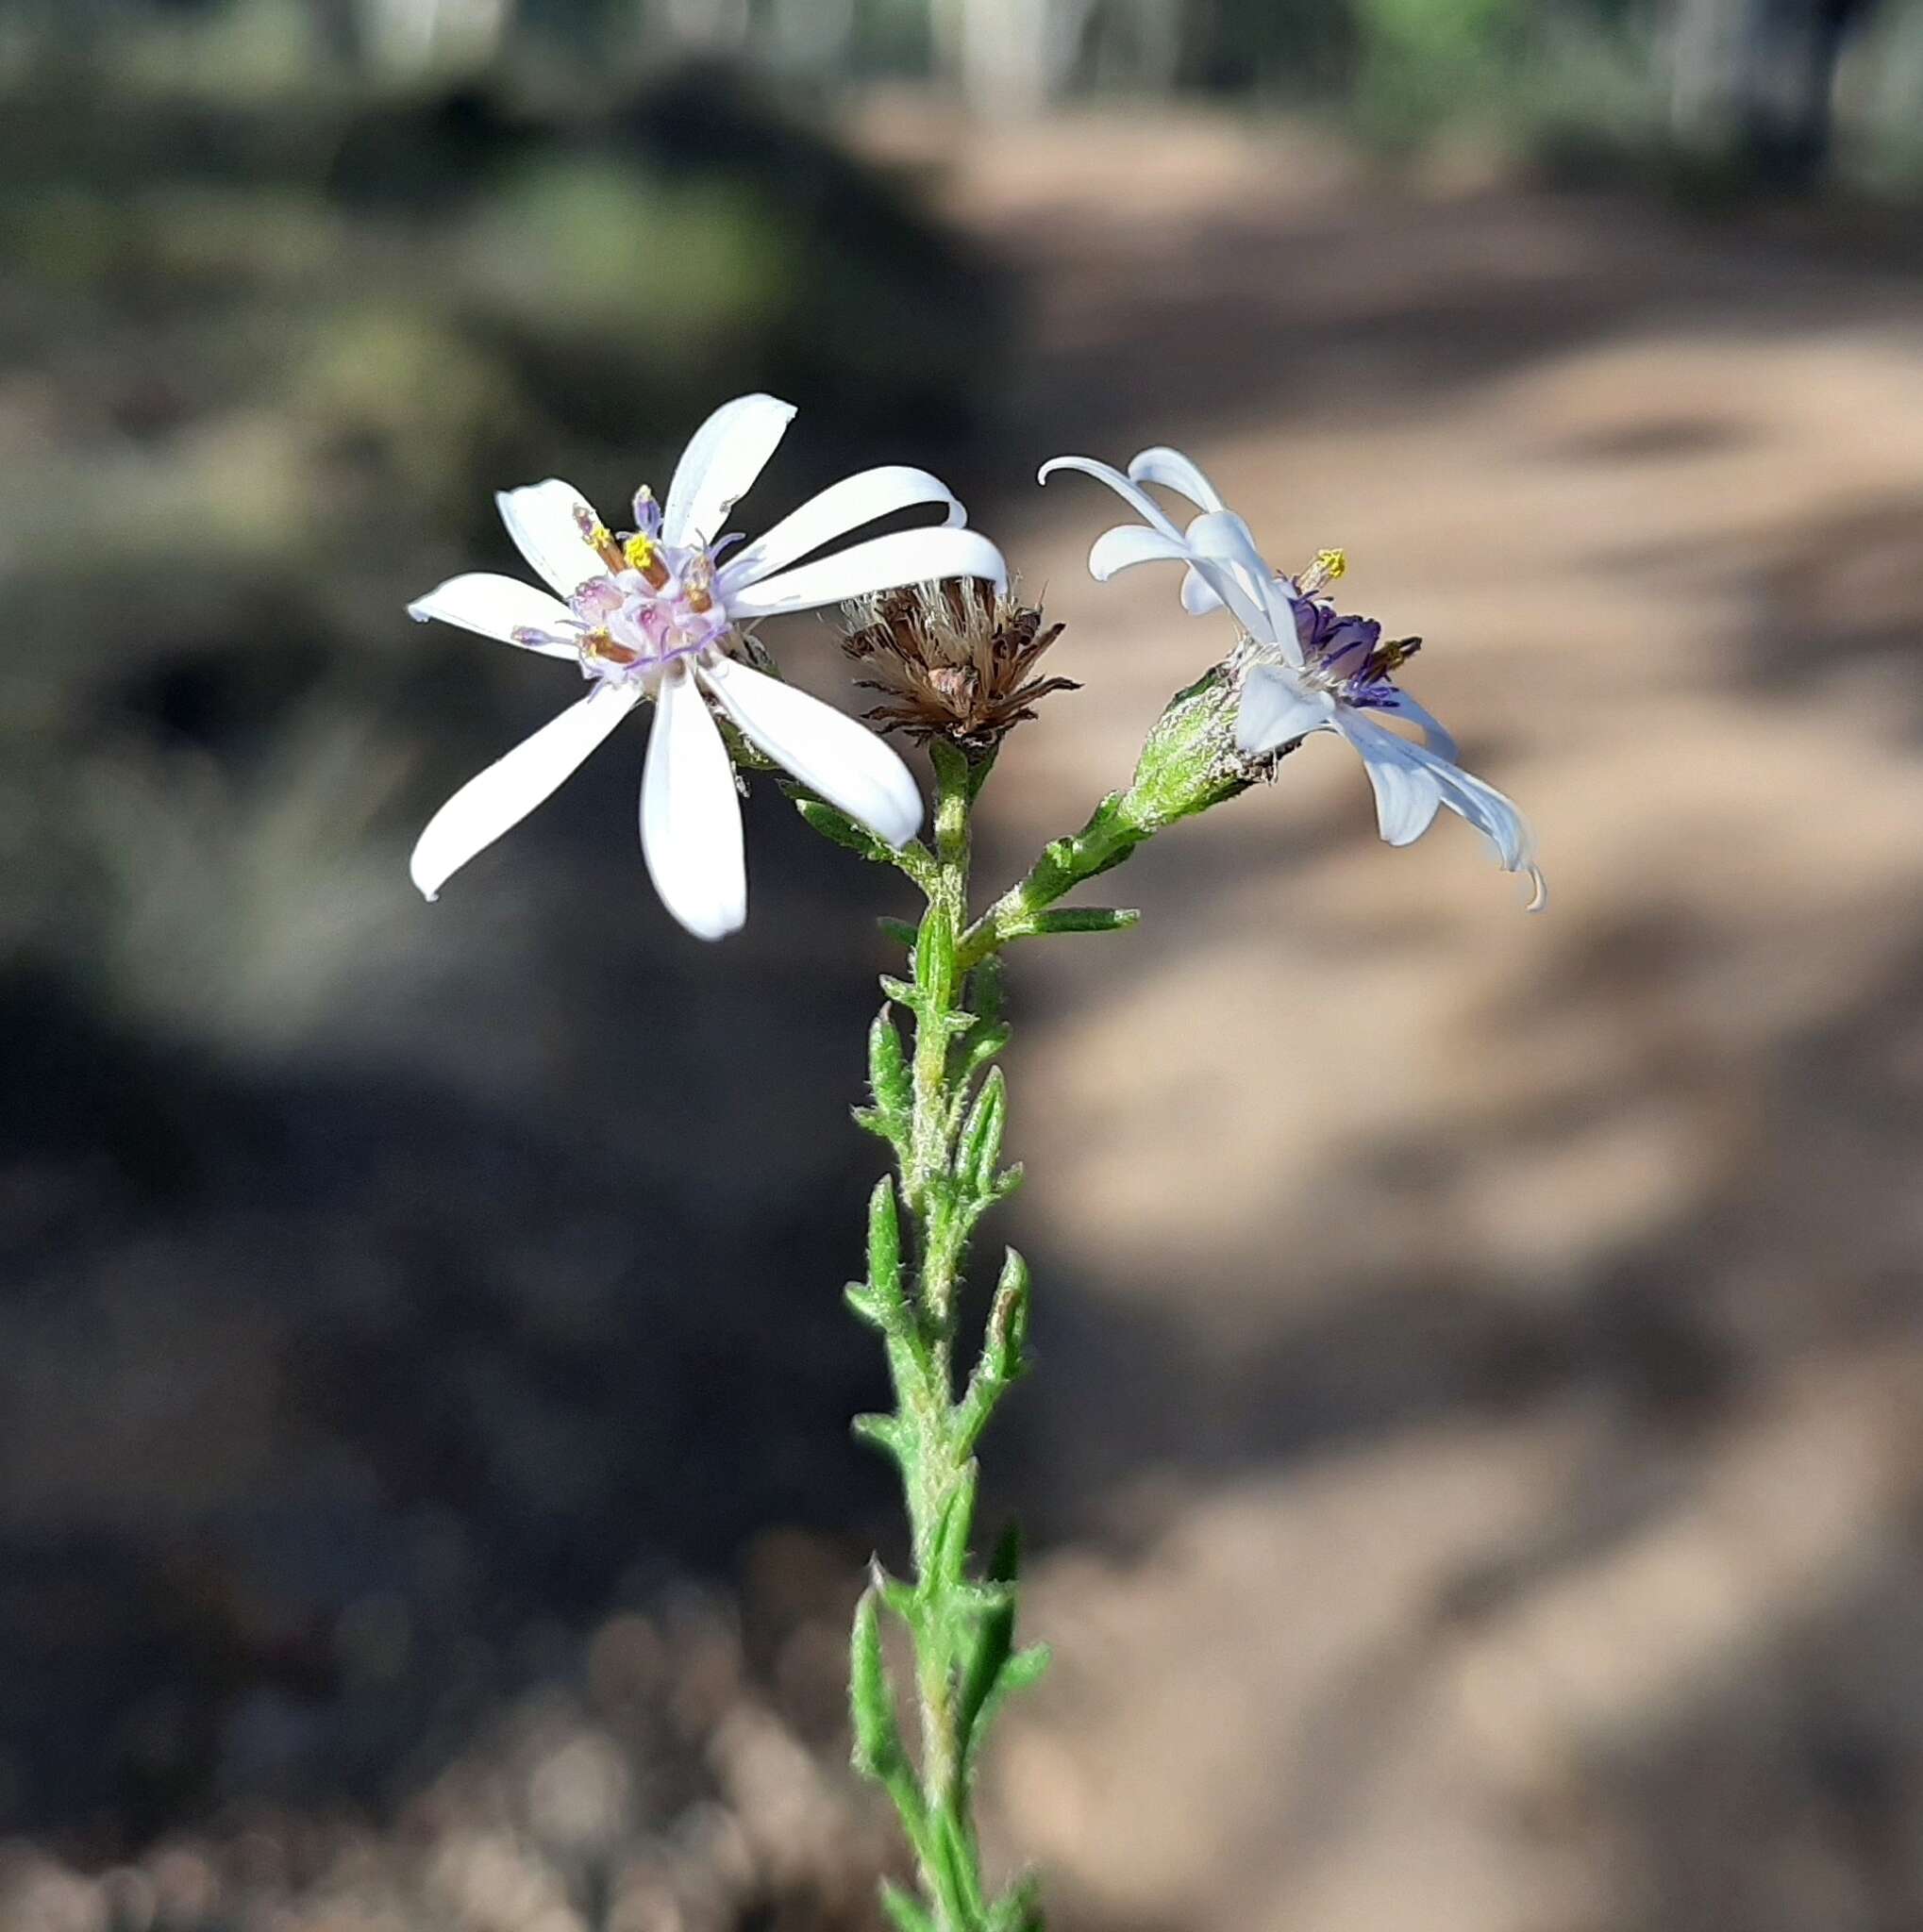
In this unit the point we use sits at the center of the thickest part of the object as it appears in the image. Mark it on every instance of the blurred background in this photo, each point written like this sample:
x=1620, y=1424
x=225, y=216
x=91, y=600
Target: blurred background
x=1475, y=1475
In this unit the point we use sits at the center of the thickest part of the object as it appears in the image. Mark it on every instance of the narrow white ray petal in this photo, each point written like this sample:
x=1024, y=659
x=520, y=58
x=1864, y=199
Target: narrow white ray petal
x=841, y=507
x=1227, y=558
x=1137, y=499
x=497, y=607
x=1198, y=595
x=1437, y=738
x=543, y=520
x=1132, y=544
x=882, y=563
x=510, y=788
x=1276, y=711
x=720, y=465
x=690, y=833
x=842, y=761
x=1174, y=471
x=1492, y=812
x=1407, y=794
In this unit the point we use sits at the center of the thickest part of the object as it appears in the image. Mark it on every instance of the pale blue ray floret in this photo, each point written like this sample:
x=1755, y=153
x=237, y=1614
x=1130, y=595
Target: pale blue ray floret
x=1304, y=665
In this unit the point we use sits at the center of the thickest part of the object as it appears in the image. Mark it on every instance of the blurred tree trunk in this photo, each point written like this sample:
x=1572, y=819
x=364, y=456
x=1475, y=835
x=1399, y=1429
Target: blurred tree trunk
x=1755, y=81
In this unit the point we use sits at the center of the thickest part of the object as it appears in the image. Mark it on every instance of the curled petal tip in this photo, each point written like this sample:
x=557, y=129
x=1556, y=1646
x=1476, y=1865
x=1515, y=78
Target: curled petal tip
x=419, y=615
x=1539, y=891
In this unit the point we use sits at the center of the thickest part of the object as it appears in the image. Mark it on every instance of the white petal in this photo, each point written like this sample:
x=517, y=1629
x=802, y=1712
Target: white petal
x=1407, y=795
x=1174, y=471
x=1237, y=572
x=843, y=506
x=1198, y=595
x=882, y=563
x=543, y=520
x=1276, y=711
x=720, y=464
x=1434, y=735
x=510, y=788
x=1138, y=500
x=1492, y=812
x=690, y=815
x=497, y=607
x=832, y=754
x=1132, y=544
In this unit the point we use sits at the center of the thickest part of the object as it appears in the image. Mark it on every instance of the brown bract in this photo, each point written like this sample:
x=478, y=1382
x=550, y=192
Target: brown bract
x=954, y=660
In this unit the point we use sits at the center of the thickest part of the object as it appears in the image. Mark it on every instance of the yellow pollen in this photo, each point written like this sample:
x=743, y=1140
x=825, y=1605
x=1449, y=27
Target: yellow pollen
x=639, y=551
x=1332, y=563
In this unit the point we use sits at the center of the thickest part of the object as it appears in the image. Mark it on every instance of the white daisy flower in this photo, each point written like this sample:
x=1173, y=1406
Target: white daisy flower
x=656, y=614
x=1304, y=666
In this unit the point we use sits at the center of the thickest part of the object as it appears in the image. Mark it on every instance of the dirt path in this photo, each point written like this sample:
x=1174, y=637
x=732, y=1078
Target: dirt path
x=1484, y=1349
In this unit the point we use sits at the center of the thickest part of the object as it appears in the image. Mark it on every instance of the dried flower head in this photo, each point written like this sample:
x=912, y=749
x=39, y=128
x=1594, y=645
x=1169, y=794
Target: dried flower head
x=954, y=660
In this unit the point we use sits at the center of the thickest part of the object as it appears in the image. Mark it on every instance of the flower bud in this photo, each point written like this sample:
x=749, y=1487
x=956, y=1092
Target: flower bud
x=1191, y=760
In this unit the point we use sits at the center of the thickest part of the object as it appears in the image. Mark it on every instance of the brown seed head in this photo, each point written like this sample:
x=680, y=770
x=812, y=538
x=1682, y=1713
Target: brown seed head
x=954, y=660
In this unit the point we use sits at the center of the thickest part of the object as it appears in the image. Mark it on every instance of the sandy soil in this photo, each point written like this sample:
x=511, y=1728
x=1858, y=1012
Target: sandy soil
x=1513, y=1322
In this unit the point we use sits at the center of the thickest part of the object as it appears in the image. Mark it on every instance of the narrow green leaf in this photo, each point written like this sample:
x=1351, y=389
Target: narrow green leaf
x=934, y=954
x=898, y=929
x=884, y=1248
x=1005, y=1346
x=1076, y=918
x=987, y=988
x=983, y=1044
x=1004, y=1350
x=882, y=1432
x=842, y=830
x=948, y=1554
x=1007, y=1181
x=1026, y=1668
x=994, y=1640
x=860, y=1297
x=897, y=1595
x=901, y=992
x=888, y=1074
x=1019, y=1909
x=980, y=1144
x=905, y=1912
x=878, y=1752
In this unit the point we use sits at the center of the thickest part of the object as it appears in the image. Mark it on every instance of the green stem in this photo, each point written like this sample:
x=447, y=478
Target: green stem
x=945, y=1149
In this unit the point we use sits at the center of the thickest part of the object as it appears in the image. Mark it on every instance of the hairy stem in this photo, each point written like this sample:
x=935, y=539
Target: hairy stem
x=945, y=1128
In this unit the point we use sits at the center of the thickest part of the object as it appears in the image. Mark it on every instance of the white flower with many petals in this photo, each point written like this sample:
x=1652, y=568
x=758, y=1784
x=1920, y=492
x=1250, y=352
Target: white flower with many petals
x=1304, y=666
x=656, y=614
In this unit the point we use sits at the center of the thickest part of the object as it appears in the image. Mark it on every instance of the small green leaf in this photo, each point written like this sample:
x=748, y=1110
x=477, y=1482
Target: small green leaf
x=1078, y=919
x=1019, y=1909
x=987, y=988
x=888, y=1076
x=860, y=1298
x=1026, y=1668
x=905, y=1912
x=842, y=830
x=899, y=930
x=882, y=1432
x=884, y=1249
x=948, y=1552
x=980, y=1144
x=901, y=992
x=983, y=1044
x=994, y=1640
x=878, y=1752
x=1005, y=1348
x=934, y=953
